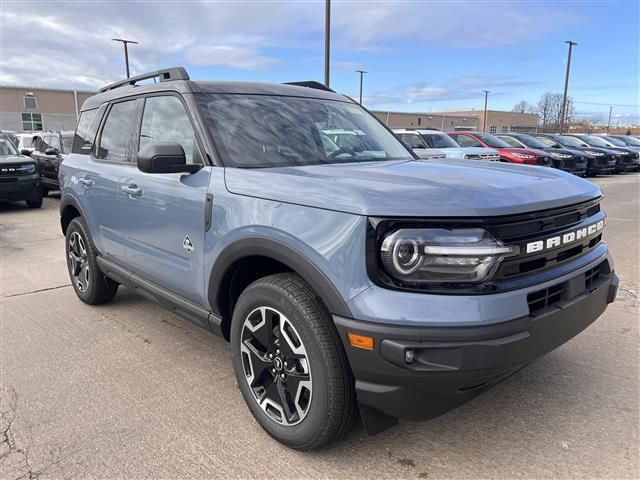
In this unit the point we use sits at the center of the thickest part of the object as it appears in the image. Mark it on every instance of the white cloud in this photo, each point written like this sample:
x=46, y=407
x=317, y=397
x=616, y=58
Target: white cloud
x=229, y=56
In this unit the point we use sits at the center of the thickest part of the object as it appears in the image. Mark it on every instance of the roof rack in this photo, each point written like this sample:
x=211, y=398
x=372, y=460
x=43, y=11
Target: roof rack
x=311, y=84
x=164, y=75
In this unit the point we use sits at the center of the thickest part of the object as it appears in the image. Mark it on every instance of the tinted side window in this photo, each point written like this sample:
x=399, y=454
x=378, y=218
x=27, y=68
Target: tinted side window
x=85, y=135
x=165, y=121
x=117, y=132
x=511, y=141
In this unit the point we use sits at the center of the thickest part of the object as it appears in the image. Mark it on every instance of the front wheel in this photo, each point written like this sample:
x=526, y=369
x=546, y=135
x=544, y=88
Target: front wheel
x=290, y=365
x=88, y=281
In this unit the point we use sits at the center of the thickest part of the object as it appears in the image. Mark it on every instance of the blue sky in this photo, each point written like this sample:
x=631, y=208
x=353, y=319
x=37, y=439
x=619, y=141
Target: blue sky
x=421, y=55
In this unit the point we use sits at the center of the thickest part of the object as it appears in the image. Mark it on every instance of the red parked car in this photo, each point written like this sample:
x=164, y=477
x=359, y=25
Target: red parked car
x=508, y=153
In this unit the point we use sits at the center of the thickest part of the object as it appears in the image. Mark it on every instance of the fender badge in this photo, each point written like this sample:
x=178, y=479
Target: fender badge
x=187, y=245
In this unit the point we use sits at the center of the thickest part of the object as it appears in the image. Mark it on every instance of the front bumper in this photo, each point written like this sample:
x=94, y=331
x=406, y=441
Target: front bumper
x=422, y=372
x=25, y=187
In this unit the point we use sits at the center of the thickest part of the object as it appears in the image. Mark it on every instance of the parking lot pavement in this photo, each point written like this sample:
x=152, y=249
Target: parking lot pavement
x=129, y=390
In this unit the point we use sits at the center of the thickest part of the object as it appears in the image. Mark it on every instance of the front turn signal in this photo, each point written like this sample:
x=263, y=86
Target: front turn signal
x=360, y=341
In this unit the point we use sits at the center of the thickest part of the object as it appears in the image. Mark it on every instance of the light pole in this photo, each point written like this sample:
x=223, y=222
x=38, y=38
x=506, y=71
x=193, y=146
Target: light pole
x=327, y=40
x=484, y=120
x=126, y=51
x=563, y=110
x=609, y=124
x=361, y=72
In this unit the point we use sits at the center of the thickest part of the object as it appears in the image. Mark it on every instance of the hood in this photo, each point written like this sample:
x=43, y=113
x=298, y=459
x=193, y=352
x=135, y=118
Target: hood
x=470, y=150
x=439, y=188
x=525, y=151
x=6, y=159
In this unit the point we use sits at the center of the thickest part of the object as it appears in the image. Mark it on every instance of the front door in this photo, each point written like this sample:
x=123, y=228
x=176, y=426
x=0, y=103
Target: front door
x=163, y=219
x=110, y=161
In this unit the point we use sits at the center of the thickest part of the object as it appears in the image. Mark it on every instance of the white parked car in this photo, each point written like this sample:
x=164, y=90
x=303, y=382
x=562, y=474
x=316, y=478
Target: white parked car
x=25, y=142
x=424, y=141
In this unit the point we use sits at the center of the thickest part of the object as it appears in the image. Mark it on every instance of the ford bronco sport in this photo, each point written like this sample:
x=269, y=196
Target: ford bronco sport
x=347, y=284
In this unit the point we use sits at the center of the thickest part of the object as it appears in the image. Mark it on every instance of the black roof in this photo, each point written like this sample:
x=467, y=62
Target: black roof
x=125, y=88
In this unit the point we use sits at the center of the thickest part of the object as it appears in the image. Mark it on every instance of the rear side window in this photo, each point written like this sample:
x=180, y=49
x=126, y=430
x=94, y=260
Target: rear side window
x=85, y=135
x=116, y=132
x=511, y=141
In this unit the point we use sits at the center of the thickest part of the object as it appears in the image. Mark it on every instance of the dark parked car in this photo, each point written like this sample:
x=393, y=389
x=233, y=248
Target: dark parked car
x=19, y=179
x=50, y=150
x=574, y=161
x=601, y=160
x=526, y=156
x=627, y=157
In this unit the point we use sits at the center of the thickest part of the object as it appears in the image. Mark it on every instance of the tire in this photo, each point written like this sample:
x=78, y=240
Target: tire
x=35, y=203
x=91, y=286
x=45, y=191
x=319, y=386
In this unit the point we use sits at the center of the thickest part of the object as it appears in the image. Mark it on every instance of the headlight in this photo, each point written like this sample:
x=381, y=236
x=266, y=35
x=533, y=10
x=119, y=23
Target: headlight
x=524, y=155
x=28, y=168
x=594, y=153
x=437, y=255
x=560, y=155
x=623, y=153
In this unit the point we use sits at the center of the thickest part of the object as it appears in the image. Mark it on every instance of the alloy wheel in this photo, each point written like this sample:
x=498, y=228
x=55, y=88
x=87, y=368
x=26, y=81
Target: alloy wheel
x=276, y=366
x=79, y=262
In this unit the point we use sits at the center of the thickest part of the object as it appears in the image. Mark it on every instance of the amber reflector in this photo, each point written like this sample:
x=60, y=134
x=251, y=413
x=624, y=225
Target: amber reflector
x=360, y=341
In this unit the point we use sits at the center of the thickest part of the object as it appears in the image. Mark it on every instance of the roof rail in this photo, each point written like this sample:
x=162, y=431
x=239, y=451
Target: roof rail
x=164, y=75
x=311, y=84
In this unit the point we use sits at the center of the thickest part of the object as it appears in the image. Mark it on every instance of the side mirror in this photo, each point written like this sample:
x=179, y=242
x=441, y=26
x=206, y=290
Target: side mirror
x=51, y=151
x=25, y=152
x=164, y=158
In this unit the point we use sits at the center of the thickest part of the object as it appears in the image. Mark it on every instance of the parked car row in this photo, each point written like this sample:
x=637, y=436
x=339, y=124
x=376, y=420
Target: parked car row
x=19, y=178
x=584, y=155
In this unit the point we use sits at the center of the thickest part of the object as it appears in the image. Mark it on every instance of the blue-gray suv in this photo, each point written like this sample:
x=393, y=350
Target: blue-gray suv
x=352, y=280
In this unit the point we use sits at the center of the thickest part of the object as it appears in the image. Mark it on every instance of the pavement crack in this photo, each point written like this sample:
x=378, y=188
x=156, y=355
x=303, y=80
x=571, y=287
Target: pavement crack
x=37, y=291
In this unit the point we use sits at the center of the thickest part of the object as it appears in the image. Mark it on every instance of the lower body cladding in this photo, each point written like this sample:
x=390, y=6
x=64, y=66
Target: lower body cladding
x=25, y=187
x=421, y=372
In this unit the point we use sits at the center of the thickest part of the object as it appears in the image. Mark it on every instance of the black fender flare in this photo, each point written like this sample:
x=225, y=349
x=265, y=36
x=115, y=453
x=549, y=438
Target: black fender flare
x=68, y=200
x=283, y=253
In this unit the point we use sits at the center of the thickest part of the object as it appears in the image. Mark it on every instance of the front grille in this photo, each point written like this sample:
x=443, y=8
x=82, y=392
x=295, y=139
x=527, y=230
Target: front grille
x=550, y=297
x=553, y=223
x=12, y=170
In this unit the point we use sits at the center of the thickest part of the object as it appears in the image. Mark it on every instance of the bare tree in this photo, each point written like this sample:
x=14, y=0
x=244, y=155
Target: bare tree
x=549, y=110
x=523, y=107
x=589, y=124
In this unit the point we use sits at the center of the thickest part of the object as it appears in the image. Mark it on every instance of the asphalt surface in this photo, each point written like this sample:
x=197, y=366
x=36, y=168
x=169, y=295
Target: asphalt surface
x=129, y=390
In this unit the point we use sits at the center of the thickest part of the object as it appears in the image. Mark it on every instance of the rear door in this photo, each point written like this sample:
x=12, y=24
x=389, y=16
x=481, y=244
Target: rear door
x=163, y=218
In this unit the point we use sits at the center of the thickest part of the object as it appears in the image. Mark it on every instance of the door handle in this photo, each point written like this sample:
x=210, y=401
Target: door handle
x=132, y=190
x=87, y=182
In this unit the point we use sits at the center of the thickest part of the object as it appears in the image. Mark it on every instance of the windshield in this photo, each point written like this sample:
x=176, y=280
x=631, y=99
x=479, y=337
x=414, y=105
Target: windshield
x=67, y=144
x=615, y=141
x=439, y=141
x=629, y=141
x=7, y=147
x=492, y=141
x=570, y=141
x=596, y=142
x=532, y=142
x=255, y=131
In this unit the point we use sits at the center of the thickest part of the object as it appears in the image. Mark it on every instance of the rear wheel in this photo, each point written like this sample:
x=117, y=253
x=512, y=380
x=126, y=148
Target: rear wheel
x=35, y=203
x=289, y=363
x=88, y=281
x=45, y=191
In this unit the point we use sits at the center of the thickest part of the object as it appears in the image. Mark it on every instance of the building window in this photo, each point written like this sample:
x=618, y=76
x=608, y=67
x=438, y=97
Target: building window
x=493, y=129
x=505, y=129
x=30, y=102
x=31, y=122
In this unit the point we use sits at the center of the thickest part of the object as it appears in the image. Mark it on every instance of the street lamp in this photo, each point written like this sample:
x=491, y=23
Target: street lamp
x=126, y=51
x=327, y=40
x=484, y=120
x=361, y=72
x=563, y=110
